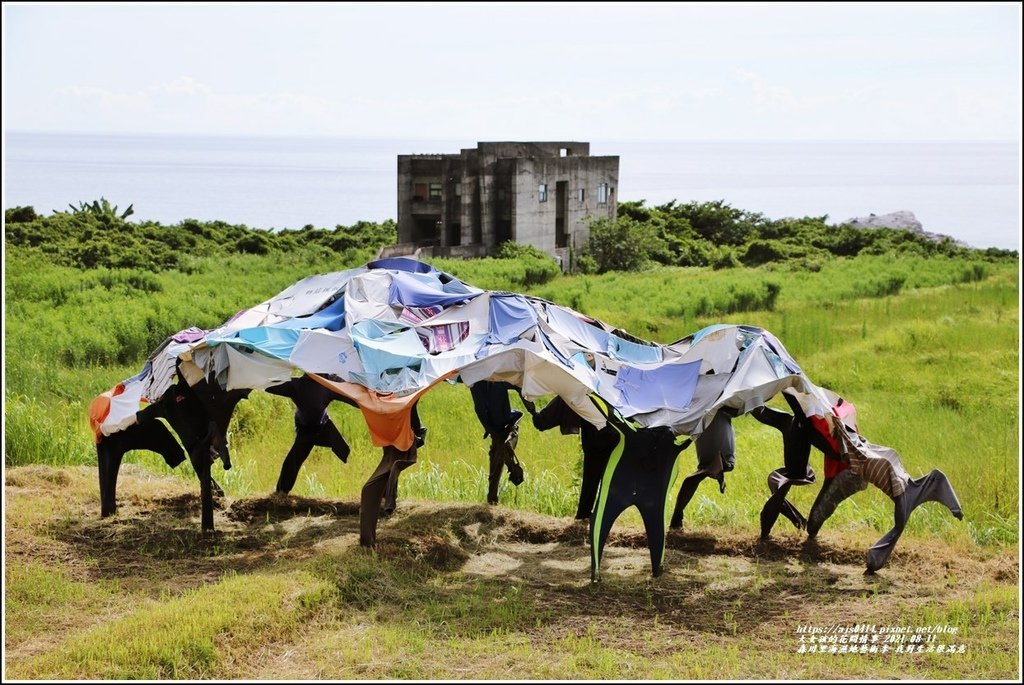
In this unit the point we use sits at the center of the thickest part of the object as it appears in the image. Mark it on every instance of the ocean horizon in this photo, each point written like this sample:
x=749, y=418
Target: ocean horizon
x=968, y=190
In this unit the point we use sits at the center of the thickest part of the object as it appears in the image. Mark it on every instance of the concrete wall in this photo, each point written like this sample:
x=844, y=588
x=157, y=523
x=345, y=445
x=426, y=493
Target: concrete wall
x=499, y=195
x=535, y=221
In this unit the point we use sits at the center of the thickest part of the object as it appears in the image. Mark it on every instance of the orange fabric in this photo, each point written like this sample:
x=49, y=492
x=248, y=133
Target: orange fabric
x=389, y=418
x=99, y=409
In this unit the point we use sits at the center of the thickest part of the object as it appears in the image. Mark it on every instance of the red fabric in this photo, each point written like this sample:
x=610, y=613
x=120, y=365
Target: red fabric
x=833, y=467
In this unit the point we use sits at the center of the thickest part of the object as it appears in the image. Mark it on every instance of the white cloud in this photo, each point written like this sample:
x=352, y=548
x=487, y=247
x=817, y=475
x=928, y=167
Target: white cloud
x=183, y=85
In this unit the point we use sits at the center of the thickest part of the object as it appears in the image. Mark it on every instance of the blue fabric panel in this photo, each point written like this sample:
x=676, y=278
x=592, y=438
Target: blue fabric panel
x=708, y=329
x=385, y=348
x=580, y=332
x=418, y=292
x=635, y=353
x=273, y=342
x=510, y=317
x=456, y=286
x=669, y=386
x=331, y=317
x=402, y=264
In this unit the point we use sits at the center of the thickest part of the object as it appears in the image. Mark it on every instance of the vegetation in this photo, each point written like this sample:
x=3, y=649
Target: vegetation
x=715, y=234
x=923, y=338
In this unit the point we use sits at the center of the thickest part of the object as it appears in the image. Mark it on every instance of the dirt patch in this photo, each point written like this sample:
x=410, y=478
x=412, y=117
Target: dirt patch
x=718, y=585
x=282, y=507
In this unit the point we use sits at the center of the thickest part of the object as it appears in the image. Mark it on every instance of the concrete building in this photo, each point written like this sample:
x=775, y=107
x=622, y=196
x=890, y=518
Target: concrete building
x=467, y=204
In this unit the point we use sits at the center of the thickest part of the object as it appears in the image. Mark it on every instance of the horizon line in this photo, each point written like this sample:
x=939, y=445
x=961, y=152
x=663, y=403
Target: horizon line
x=282, y=136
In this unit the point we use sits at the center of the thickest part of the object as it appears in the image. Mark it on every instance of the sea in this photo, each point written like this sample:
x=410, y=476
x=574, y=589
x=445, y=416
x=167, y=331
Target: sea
x=970, y=191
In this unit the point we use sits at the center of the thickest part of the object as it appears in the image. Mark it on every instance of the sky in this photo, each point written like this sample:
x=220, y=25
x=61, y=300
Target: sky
x=545, y=71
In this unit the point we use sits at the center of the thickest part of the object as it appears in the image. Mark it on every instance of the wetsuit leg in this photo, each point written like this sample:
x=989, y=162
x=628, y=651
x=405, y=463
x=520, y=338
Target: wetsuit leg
x=407, y=459
x=597, y=446
x=639, y=473
x=834, y=490
x=149, y=435
x=330, y=436
x=934, y=487
x=293, y=461
x=686, y=492
x=496, y=465
x=373, y=492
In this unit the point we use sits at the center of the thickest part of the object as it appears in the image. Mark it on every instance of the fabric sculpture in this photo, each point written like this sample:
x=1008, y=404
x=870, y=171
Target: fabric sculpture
x=382, y=335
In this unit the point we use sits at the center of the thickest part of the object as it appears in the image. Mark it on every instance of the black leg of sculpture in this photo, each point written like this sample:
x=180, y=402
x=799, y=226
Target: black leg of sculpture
x=779, y=484
x=934, y=487
x=109, y=465
x=597, y=447
x=293, y=460
x=833, y=491
x=373, y=491
x=639, y=473
x=686, y=492
x=110, y=450
x=391, y=487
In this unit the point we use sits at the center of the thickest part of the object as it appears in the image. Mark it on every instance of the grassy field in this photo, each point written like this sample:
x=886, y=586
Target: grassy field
x=926, y=348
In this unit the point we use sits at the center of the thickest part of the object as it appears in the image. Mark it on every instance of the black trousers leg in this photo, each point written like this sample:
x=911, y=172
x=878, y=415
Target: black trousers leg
x=934, y=487
x=149, y=435
x=686, y=493
x=294, y=460
x=833, y=491
x=330, y=436
x=496, y=464
x=879, y=552
x=372, y=495
x=407, y=459
x=200, y=458
x=109, y=460
x=593, y=470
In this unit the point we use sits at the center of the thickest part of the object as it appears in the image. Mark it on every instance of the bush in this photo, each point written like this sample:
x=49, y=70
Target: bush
x=622, y=244
x=20, y=215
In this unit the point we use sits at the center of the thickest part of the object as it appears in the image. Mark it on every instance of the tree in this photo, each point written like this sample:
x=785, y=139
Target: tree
x=622, y=244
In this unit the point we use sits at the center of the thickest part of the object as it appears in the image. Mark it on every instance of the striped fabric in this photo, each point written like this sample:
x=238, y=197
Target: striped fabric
x=879, y=465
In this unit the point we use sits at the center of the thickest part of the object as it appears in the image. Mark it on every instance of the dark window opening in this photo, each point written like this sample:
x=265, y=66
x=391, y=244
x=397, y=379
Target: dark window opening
x=581, y=194
x=428, y=230
x=419, y=192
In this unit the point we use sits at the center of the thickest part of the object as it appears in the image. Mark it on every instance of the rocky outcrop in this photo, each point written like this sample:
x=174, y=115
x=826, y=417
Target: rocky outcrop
x=901, y=219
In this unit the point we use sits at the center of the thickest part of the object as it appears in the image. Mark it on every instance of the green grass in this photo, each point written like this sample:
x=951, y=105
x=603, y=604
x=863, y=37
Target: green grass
x=932, y=370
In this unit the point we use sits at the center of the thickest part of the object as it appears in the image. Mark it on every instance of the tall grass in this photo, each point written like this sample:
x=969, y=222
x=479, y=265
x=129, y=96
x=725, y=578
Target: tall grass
x=926, y=348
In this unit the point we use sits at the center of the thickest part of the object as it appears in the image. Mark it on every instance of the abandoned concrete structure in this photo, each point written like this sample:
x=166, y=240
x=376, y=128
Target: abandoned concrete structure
x=467, y=204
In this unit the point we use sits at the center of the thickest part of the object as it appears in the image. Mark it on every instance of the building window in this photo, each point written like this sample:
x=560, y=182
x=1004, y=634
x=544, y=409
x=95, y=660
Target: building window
x=435, y=191
x=564, y=152
x=501, y=195
x=581, y=194
x=602, y=193
x=458, y=190
x=419, y=192
x=542, y=192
